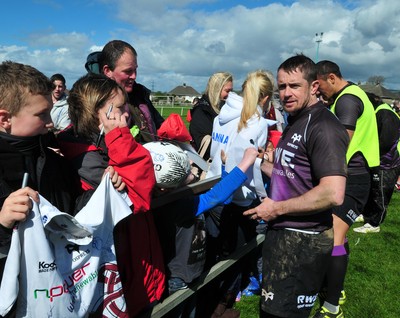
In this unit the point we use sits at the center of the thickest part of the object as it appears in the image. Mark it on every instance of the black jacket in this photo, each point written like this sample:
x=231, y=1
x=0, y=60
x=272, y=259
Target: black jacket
x=202, y=123
x=141, y=95
x=49, y=174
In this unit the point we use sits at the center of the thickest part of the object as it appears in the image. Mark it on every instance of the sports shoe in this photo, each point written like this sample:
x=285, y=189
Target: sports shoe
x=175, y=284
x=367, y=228
x=397, y=186
x=253, y=288
x=359, y=219
x=342, y=298
x=325, y=313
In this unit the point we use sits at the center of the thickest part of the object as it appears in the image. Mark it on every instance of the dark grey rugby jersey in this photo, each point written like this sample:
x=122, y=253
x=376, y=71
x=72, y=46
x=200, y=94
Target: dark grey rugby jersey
x=312, y=146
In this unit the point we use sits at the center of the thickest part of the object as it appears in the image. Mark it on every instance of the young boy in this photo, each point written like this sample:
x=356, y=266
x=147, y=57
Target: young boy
x=25, y=104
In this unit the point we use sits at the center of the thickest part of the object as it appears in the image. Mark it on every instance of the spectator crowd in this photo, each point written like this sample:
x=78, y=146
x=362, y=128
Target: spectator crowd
x=300, y=168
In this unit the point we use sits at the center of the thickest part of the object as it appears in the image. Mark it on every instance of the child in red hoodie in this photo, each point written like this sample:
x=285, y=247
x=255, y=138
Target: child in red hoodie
x=97, y=106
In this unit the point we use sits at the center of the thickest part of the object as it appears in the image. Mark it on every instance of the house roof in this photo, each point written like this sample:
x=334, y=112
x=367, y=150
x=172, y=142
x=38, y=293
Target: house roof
x=184, y=90
x=378, y=90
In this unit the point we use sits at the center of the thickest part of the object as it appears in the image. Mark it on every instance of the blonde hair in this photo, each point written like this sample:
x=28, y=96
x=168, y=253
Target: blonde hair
x=215, y=84
x=257, y=86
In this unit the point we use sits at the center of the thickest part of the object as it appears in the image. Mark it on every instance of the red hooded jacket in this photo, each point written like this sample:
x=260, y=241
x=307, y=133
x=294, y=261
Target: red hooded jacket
x=138, y=250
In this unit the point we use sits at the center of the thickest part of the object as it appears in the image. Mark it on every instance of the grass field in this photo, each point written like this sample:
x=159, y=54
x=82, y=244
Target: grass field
x=165, y=111
x=373, y=277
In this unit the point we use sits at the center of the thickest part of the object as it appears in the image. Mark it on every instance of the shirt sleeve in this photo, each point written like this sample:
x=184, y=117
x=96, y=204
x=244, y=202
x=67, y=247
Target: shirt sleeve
x=134, y=164
x=348, y=109
x=326, y=149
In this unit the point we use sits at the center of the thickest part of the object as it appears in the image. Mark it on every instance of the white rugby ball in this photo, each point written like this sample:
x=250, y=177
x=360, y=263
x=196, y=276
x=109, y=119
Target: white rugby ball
x=171, y=163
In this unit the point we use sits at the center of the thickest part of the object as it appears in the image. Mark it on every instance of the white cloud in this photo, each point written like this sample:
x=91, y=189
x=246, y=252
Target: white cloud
x=177, y=44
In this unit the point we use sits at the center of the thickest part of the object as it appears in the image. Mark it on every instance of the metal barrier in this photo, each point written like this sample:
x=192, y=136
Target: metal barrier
x=182, y=295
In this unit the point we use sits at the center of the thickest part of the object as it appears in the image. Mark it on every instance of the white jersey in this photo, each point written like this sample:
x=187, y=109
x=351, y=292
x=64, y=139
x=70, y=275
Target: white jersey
x=61, y=266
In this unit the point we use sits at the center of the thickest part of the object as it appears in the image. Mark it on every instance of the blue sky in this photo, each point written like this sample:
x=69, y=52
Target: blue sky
x=185, y=41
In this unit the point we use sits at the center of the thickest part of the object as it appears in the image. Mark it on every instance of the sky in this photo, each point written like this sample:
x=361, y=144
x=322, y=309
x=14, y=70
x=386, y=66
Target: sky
x=186, y=41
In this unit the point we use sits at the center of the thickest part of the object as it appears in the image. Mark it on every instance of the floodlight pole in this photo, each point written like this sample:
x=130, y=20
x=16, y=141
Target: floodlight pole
x=318, y=40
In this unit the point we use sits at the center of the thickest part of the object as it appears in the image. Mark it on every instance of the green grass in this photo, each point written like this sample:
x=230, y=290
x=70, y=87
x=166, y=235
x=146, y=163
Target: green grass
x=373, y=277
x=165, y=111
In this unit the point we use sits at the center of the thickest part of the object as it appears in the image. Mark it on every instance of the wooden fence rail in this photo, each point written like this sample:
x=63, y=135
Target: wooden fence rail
x=181, y=296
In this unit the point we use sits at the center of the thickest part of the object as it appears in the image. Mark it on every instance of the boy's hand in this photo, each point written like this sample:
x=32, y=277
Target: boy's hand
x=249, y=157
x=116, y=179
x=17, y=206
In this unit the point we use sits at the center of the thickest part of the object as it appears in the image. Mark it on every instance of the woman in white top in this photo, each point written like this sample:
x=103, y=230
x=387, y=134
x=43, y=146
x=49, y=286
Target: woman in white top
x=240, y=125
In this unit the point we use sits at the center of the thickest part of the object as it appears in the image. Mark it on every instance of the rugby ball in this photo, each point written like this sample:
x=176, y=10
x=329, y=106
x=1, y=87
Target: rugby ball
x=171, y=163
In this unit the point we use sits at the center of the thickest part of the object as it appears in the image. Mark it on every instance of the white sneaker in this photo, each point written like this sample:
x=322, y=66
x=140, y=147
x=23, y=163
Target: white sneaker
x=359, y=219
x=367, y=228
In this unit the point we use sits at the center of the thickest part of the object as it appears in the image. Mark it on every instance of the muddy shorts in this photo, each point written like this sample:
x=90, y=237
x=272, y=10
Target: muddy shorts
x=294, y=266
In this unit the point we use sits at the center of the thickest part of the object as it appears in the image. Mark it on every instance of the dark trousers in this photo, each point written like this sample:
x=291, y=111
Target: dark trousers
x=382, y=187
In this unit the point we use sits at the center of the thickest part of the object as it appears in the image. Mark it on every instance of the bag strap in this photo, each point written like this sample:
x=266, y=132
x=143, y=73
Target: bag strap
x=205, y=143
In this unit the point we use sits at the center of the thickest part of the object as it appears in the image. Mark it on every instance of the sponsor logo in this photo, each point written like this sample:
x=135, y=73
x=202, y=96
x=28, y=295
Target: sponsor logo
x=267, y=295
x=113, y=301
x=296, y=137
x=44, y=219
x=351, y=215
x=75, y=248
x=306, y=301
x=47, y=267
x=72, y=283
x=285, y=157
x=80, y=255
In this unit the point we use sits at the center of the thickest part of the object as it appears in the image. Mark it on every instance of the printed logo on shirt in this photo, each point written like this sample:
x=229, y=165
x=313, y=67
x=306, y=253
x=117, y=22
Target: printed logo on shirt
x=296, y=137
x=113, y=301
x=47, y=267
x=70, y=283
x=306, y=301
x=285, y=157
x=75, y=248
x=267, y=295
x=221, y=138
x=351, y=215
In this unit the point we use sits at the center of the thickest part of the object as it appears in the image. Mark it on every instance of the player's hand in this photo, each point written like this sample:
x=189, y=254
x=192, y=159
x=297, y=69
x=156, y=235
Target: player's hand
x=265, y=211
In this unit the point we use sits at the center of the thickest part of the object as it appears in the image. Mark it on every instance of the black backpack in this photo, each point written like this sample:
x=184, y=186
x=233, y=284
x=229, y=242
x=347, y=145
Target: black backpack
x=92, y=64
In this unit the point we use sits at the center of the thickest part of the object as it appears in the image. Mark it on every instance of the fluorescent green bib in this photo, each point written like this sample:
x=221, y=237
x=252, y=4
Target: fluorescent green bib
x=365, y=138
